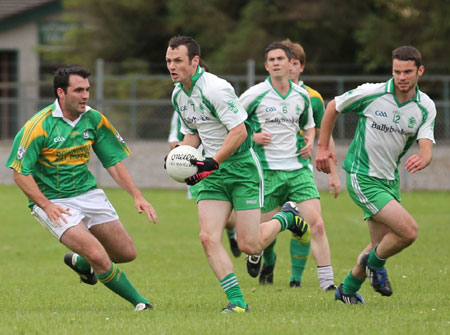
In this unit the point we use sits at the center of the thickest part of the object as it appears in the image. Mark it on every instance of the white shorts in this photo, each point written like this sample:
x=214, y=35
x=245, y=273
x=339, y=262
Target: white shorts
x=91, y=208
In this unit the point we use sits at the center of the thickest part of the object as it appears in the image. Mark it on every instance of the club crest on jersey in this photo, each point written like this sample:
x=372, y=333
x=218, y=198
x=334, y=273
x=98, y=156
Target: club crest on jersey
x=411, y=122
x=232, y=106
x=21, y=152
x=86, y=134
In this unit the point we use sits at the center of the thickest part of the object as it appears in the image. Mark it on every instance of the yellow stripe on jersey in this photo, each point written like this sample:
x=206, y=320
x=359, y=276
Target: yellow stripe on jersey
x=313, y=93
x=104, y=122
x=33, y=128
x=77, y=155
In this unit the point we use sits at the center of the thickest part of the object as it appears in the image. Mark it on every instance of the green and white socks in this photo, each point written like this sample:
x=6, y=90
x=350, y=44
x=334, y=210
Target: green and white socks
x=231, y=287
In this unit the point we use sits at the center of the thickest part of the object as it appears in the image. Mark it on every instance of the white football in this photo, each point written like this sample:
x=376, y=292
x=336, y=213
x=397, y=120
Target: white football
x=178, y=165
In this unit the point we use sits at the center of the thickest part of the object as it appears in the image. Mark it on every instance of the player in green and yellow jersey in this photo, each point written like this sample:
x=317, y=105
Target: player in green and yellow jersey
x=50, y=157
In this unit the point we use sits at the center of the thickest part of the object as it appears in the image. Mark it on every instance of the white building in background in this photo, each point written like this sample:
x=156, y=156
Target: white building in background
x=25, y=26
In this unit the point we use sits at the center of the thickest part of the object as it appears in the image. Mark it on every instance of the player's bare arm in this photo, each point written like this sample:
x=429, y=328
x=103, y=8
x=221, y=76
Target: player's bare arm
x=191, y=139
x=307, y=150
x=262, y=138
x=122, y=177
x=334, y=185
x=422, y=159
x=234, y=139
x=324, y=154
x=28, y=185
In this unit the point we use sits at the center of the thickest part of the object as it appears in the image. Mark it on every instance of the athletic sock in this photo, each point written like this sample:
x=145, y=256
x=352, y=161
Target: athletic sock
x=117, y=281
x=269, y=255
x=82, y=264
x=231, y=233
x=286, y=219
x=231, y=287
x=374, y=261
x=325, y=275
x=299, y=256
x=351, y=284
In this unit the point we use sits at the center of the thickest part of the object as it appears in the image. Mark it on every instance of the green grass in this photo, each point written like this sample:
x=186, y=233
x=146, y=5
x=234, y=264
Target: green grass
x=40, y=295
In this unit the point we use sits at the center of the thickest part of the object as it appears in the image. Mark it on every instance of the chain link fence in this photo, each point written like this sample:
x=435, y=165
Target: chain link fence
x=139, y=105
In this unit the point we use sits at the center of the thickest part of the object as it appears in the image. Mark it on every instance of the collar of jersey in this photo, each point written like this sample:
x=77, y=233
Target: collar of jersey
x=195, y=77
x=281, y=95
x=58, y=113
x=389, y=88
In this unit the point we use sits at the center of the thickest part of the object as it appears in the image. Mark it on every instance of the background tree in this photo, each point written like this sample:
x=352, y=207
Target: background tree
x=348, y=37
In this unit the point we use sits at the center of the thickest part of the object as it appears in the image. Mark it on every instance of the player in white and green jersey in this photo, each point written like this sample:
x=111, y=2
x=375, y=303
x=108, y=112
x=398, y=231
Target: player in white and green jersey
x=50, y=157
x=174, y=139
x=392, y=116
x=229, y=177
x=279, y=110
x=312, y=213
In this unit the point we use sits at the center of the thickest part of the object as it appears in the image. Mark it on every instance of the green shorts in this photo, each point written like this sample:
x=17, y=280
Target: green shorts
x=238, y=181
x=281, y=186
x=372, y=194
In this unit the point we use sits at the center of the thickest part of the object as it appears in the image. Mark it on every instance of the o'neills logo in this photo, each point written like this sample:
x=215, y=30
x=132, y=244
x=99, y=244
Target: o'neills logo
x=186, y=157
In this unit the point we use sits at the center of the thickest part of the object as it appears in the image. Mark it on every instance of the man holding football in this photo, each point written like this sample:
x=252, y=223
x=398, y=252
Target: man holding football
x=392, y=116
x=230, y=176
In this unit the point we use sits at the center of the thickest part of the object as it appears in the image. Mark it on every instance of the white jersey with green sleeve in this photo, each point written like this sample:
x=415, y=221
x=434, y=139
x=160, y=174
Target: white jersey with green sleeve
x=386, y=128
x=211, y=109
x=56, y=151
x=281, y=116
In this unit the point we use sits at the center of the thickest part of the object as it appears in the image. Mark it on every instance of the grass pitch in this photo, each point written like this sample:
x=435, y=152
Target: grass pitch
x=41, y=295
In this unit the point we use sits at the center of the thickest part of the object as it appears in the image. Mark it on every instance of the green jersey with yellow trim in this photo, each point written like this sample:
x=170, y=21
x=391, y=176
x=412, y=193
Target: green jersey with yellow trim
x=386, y=127
x=56, y=151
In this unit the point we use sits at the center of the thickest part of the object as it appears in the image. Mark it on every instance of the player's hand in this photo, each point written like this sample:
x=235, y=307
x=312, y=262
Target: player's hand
x=205, y=168
x=262, y=138
x=165, y=157
x=55, y=213
x=143, y=205
x=334, y=185
x=414, y=164
x=323, y=159
x=307, y=150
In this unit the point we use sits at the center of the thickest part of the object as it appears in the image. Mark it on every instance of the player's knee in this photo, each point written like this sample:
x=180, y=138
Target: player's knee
x=207, y=240
x=317, y=227
x=249, y=247
x=129, y=253
x=99, y=260
x=411, y=232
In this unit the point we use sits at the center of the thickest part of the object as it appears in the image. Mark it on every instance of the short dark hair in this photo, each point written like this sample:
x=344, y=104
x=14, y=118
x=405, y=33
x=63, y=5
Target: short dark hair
x=408, y=53
x=192, y=46
x=62, y=74
x=278, y=45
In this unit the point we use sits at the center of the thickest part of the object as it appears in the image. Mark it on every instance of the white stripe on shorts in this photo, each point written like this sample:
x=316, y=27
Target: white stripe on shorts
x=261, y=178
x=362, y=198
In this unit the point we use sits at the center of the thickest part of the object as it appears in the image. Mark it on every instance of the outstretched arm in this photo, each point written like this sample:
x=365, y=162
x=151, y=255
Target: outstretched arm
x=122, y=177
x=422, y=159
x=28, y=185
